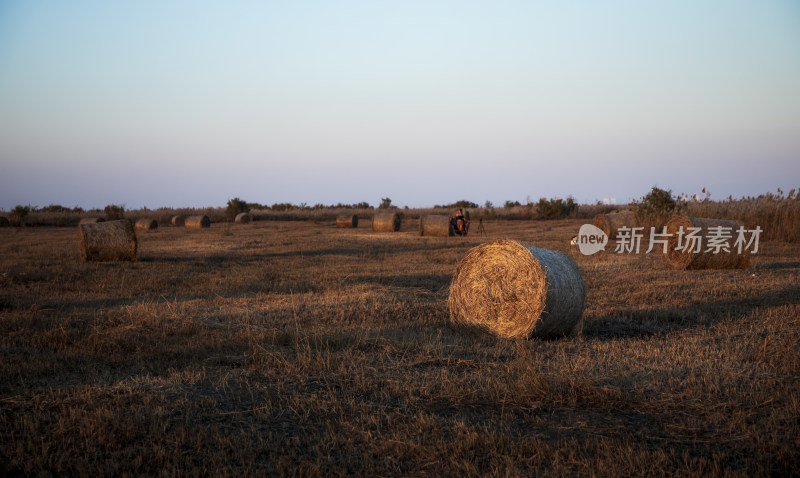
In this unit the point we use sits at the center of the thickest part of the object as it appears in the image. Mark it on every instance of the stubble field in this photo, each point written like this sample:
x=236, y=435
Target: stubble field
x=296, y=348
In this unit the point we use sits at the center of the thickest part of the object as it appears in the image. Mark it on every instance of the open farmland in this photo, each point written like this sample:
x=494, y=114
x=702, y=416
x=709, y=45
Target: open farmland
x=297, y=348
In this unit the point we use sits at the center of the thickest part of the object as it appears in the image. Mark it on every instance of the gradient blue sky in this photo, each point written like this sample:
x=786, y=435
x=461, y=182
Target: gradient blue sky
x=191, y=103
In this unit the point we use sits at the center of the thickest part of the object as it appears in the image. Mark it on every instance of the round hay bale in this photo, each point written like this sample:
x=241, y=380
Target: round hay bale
x=610, y=223
x=511, y=289
x=91, y=220
x=243, y=218
x=347, y=220
x=386, y=222
x=197, y=222
x=4, y=222
x=705, y=259
x=145, y=224
x=178, y=220
x=107, y=241
x=435, y=225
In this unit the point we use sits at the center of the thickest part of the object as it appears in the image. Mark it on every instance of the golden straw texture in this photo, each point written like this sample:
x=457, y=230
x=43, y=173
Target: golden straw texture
x=386, y=222
x=513, y=290
x=197, y=222
x=243, y=218
x=107, y=241
x=705, y=259
x=435, y=225
x=146, y=224
x=347, y=220
x=610, y=223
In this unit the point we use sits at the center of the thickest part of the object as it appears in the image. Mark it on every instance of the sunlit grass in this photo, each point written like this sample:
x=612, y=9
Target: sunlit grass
x=299, y=348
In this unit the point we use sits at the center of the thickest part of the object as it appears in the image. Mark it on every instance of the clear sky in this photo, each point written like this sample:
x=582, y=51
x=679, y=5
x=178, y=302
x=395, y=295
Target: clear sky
x=191, y=103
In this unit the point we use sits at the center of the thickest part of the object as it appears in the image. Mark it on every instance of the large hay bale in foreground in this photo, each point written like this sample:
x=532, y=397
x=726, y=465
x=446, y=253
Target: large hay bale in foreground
x=197, y=222
x=107, y=241
x=610, y=223
x=243, y=218
x=146, y=224
x=435, y=225
x=347, y=220
x=386, y=222
x=178, y=220
x=705, y=259
x=513, y=290
x=91, y=220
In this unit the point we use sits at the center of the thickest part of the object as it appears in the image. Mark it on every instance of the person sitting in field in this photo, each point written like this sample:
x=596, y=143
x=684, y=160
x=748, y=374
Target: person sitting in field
x=460, y=222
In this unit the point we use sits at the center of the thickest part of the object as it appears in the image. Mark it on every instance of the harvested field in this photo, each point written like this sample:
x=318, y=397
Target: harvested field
x=286, y=348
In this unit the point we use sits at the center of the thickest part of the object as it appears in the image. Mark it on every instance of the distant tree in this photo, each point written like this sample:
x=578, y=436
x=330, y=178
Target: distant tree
x=658, y=203
x=54, y=208
x=555, y=208
x=386, y=203
x=114, y=212
x=510, y=204
x=19, y=213
x=235, y=206
x=464, y=204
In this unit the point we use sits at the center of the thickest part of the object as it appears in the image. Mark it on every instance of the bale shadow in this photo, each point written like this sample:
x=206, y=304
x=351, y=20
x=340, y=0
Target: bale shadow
x=779, y=265
x=431, y=282
x=643, y=323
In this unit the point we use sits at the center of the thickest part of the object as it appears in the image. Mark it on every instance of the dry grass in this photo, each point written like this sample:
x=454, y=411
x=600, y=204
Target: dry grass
x=303, y=349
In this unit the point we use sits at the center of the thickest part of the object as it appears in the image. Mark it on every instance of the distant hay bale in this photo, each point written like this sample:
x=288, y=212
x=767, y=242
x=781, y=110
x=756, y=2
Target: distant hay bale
x=705, y=259
x=197, y=222
x=610, y=223
x=4, y=222
x=145, y=224
x=107, y=241
x=243, y=218
x=435, y=225
x=347, y=220
x=91, y=220
x=510, y=289
x=178, y=220
x=386, y=222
